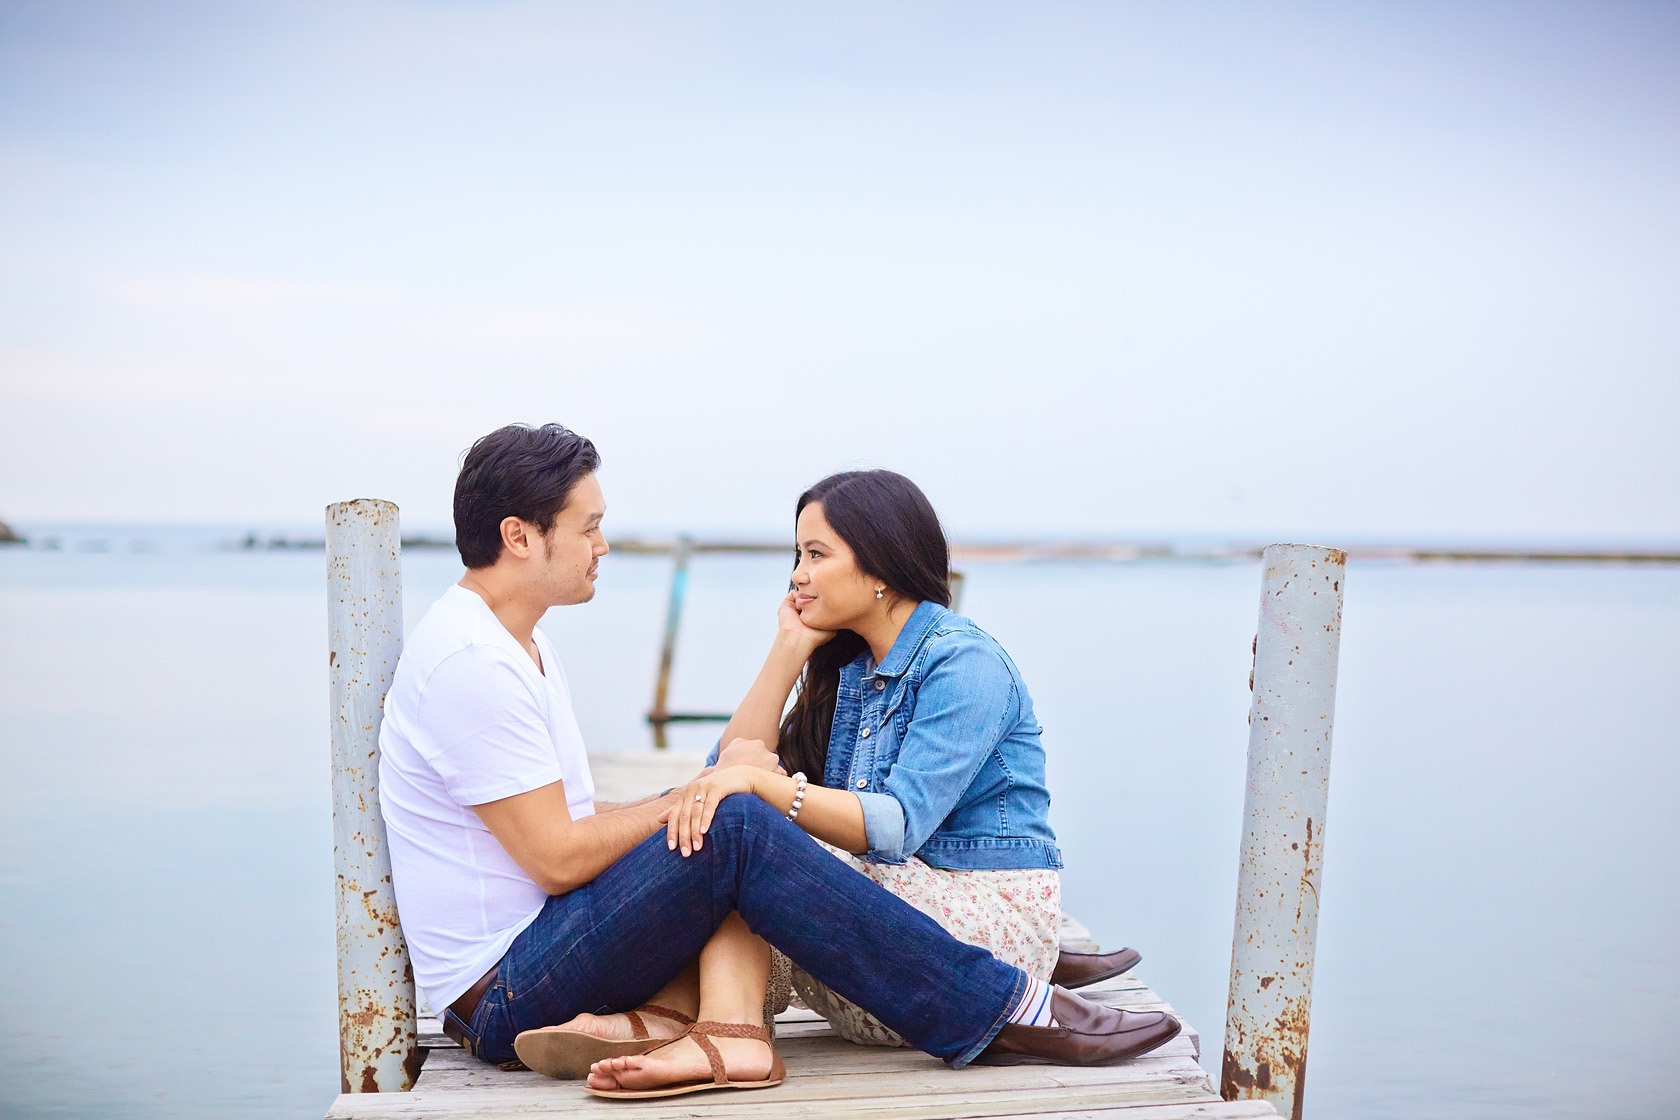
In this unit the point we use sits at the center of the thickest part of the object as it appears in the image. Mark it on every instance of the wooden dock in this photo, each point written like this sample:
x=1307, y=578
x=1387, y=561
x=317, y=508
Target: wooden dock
x=826, y=1076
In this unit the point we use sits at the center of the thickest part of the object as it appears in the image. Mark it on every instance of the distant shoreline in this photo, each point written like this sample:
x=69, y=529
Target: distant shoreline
x=156, y=539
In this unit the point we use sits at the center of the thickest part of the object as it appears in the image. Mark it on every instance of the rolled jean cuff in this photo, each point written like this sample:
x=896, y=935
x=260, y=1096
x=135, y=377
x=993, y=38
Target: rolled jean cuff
x=1016, y=995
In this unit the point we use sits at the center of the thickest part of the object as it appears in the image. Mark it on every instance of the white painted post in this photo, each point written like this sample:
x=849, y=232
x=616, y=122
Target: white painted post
x=1289, y=723
x=378, y=1044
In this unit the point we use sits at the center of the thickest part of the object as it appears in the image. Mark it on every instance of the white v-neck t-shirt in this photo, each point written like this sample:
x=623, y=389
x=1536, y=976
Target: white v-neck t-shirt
x=470, y=718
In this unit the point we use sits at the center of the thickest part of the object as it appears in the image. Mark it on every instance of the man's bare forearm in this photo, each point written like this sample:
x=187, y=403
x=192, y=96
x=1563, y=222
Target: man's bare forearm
x=605, y=838
x=620, y=806
x=662, y=798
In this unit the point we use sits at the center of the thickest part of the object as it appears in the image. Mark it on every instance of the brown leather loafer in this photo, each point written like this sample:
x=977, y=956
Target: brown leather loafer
x=1075, y=970
x=1086, y=1034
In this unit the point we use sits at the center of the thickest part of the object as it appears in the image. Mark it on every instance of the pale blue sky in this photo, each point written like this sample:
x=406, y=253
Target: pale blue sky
x=1247, y=269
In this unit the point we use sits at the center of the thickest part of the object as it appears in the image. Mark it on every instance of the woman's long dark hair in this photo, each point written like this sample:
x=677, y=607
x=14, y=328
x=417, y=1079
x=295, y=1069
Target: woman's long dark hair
x=895, y=536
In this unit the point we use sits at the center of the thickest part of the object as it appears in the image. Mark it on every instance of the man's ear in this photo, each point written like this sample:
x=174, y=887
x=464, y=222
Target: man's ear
x=515, y=537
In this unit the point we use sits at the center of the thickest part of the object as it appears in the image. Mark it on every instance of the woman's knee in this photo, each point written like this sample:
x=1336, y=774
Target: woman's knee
x=744, y=813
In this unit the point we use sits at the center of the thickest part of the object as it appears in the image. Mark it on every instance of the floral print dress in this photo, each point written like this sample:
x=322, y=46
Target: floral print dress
x=1017, y=914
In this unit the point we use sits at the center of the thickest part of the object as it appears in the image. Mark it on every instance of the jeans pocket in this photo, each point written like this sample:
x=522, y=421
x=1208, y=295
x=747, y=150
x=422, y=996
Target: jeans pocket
x=491, y=1032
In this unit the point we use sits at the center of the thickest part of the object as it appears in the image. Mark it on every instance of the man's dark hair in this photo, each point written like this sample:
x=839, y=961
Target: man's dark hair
x=516, y=471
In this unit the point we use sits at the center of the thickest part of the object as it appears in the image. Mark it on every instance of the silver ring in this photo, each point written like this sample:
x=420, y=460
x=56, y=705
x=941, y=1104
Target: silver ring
x=699, y=797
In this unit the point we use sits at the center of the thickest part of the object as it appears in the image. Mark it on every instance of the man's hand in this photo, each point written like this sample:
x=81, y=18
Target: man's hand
x=686, y=822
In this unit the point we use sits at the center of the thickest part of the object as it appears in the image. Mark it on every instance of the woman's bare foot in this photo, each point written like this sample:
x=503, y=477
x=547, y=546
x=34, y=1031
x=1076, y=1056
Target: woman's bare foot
x=744, y=1059
x=617, y=1028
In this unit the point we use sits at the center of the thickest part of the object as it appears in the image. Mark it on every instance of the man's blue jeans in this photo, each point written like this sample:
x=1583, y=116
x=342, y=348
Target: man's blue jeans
x=612, y=943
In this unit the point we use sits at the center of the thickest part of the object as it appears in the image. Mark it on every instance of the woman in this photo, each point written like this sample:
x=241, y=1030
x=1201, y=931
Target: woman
x=923, y=764
x=911, y=751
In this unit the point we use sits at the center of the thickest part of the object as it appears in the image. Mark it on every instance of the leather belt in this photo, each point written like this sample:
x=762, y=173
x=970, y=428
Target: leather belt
x=464, y=1007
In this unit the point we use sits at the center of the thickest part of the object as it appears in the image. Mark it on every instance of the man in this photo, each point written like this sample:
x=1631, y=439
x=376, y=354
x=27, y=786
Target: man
x=525, y=904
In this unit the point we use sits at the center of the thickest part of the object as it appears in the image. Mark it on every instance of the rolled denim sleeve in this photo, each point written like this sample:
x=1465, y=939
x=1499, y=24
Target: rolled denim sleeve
x=883, y=825
x=966, y=700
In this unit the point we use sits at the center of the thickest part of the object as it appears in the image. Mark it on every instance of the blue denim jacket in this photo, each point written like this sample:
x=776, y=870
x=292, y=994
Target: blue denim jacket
x=940, y=745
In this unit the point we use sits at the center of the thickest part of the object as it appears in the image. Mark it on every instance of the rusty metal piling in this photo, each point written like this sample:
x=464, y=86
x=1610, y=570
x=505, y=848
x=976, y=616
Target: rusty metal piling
x=1289, y=726
x=378, y=1044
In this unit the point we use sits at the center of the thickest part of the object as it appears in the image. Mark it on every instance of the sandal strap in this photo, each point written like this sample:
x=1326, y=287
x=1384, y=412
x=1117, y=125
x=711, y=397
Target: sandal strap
x=713, y=1058
x=666, y=1013
x=639, y=1028
x=700, y=1030
x=730, y=1030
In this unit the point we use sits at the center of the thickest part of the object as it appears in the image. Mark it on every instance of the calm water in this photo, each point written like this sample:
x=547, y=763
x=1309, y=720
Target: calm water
x=1502, y=876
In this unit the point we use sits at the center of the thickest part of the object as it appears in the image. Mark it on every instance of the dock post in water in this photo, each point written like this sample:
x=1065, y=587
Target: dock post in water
x=660, y=716
x=379, y=1048
x=1289, y=724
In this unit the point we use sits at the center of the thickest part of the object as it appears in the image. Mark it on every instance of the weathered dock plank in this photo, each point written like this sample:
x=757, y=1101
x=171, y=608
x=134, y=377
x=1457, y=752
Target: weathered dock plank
x=924, y=1094
x=921, y=1107
x=1213, y=1110
x=1121, y=991
x=810, y=1056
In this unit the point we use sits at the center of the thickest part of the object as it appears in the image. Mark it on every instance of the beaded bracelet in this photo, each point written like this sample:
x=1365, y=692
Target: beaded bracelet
x=798, y=796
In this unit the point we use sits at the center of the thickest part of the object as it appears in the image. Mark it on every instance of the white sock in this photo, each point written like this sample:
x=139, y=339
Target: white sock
x=1034, y=1008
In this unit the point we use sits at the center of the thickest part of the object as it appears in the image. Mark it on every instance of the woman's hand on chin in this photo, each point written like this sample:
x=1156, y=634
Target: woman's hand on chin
x=686, y=822
x=789, y=624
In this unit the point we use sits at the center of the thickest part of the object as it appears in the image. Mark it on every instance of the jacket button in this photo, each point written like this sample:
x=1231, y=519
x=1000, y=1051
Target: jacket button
x=866, y=733
x=863, y=783
x=880, y=686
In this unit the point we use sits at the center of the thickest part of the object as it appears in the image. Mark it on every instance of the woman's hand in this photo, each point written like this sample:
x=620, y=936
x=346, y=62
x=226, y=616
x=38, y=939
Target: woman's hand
x=758, y=717
x=790, y=625
x=747, y=752
x=686, y=822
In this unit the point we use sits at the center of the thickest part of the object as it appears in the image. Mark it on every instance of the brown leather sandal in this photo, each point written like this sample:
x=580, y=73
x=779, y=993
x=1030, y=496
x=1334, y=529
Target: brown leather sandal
x=568, y=1054
x=720, y=1077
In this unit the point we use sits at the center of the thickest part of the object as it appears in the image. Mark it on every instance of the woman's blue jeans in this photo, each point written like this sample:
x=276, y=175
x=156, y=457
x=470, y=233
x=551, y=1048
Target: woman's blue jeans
x=611, y=944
